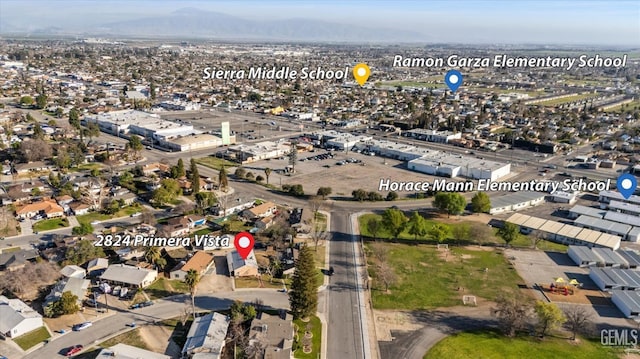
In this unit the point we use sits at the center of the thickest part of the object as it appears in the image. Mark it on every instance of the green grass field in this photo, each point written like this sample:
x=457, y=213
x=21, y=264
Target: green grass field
x=462, y=268
x=316, y=339
x=560, y=101
x=521, y=242
x=492, y=345
x=32, y=338
x=215, y=163
x=132, y=338
x=97, y=216
x=163, y=287
x=49, y=224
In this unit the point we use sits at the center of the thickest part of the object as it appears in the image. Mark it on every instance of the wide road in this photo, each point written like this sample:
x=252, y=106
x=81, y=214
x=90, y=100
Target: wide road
x=163, y=309
x=344, y=323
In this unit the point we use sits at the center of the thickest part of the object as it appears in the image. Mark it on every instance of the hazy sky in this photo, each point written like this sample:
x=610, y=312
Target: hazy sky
x=542, y=21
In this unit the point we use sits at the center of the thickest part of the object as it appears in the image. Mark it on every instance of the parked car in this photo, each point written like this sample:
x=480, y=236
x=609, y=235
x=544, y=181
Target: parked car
x=82, y=326
x=331, y=271
x=74, y=350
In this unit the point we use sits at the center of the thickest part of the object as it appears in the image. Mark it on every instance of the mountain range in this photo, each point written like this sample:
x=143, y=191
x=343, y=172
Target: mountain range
x=196, y=23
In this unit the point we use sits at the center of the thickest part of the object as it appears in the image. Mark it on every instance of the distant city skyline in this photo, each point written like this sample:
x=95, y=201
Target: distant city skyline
x=614, y=23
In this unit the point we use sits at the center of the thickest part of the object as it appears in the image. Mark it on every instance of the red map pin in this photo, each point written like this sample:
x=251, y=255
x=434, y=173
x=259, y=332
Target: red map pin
x=244, y=244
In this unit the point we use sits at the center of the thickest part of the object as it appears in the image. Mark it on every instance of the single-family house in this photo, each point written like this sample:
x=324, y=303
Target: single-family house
x=73, y=271
x=275, y=333
x=196, y=220
x=260, y=211
x=78, y=208
x=17, y=318
x=136, y=277
x=265, y=222
x=177, y=226
x=44, y=208
x=128, y=198
x=16, y=260
x=206, y=337
x=200, y=262
x=97, y=266
x=124, y=351
x=77, y=286
x=239, y=267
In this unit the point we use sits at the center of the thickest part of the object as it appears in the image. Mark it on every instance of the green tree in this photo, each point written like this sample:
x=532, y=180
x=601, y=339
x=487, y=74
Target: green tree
x=359, y=195
x=374, y=226
x=293, y=156
x=135, y=145
x=68, y=303
x=240, y=172
x=223, y=180
x=324, y=192
x=303, y=295
x=417, y=225
x=192, y=279
x=480, y=203
x=391, y=196
x=92, y=130
x=439, y=232
x=152, y=254
x=74, y=118
x=205, y=200
x=449, y=202
x=82, y=229
x=26, y=100
x=41, y=101
x=549, y=317
x=267, y=173
x=394, y=221
x=38, y=132
x=82, y=252
x=195, y=176
x=509, y=232
x=178, y=170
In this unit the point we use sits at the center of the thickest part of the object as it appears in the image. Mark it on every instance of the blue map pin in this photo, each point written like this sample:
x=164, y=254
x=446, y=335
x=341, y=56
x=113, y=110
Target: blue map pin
x=453, y=79
x=626, y=185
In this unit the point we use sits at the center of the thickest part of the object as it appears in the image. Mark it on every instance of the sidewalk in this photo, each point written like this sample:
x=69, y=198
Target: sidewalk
x=323, y=301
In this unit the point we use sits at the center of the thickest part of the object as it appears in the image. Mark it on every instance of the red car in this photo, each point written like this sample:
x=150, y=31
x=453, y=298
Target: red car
x=74, y=350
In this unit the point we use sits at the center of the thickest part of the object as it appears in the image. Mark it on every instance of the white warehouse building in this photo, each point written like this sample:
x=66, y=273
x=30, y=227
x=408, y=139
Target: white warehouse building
x=449, y=165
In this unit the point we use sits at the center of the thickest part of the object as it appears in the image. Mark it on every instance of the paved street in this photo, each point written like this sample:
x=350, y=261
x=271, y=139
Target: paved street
x=163, y=309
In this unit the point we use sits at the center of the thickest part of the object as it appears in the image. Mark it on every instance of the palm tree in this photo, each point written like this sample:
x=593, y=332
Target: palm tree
x=267, y=173
x=152, y=254
x=192, y=279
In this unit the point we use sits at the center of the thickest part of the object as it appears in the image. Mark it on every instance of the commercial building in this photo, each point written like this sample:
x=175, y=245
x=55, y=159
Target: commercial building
x=450, y=165
x=432, y=135
x=515, y=201
x=248, y=153
x=166, y=134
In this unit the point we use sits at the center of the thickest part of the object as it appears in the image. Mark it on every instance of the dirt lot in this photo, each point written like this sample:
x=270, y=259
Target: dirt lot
x=218, y=280
x=157, y=338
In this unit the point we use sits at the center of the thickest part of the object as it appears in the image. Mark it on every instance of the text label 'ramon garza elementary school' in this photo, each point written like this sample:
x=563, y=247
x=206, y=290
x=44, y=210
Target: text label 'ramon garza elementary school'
x=509, y=61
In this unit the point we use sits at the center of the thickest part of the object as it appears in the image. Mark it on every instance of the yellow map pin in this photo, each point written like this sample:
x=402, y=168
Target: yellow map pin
x=361, y=73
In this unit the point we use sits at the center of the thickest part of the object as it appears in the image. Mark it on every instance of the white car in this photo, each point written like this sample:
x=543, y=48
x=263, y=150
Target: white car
x=82, y=326
x=137, y=214
x=95, y=222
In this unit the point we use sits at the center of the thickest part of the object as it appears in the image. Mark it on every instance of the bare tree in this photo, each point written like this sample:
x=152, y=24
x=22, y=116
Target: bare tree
x=578, y=320
x=148, y=218
x=536, y=237
x=386, y=275
x=35, y=150
x=511, y=313
x=379, y=252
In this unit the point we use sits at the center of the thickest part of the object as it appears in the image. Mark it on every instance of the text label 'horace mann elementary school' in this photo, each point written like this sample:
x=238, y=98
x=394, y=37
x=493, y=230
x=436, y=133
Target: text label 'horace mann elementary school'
x=508, y=61
x=484, y=185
